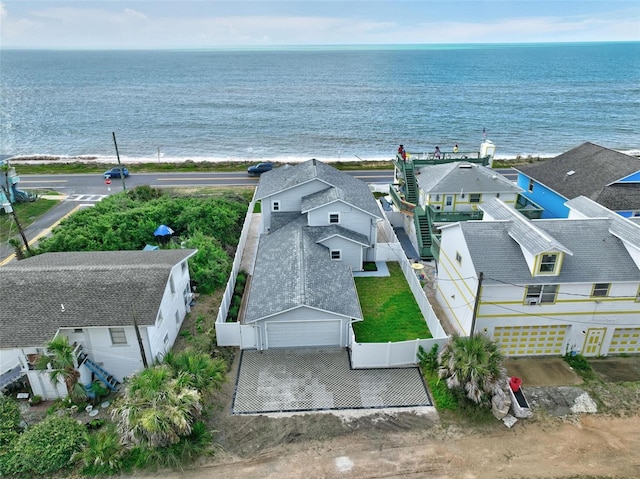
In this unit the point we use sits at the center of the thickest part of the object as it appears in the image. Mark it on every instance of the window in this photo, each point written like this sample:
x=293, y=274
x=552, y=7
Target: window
x=184, y=267
x=177, y=317
x=530, y=188
x=449, y=200
x=159, y=318
x=474, y=198
x=497, y=195
x=638, y=296
x=545, y=293
x=548, y=263
x=275, y=206
x=78, y=330
x=172, y=285
x=601, y=289
x=336, y=254
x=118, y=336
x=166, y=339
x=458, y=258
x=334, y=217
x=437, y=197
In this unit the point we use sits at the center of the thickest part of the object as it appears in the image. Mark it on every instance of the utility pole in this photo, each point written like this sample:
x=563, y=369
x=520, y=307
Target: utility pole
x=476, y=305
x=15, y=219
x=124, y=187
x=142, y=353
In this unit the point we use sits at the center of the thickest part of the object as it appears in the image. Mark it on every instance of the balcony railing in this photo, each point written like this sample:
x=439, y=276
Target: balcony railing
x=398, y=199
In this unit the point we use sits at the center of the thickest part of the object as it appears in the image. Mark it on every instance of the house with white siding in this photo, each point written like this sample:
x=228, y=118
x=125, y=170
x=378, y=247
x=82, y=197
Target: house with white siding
x=318, y=226
x=98, y=300
x=544, y=287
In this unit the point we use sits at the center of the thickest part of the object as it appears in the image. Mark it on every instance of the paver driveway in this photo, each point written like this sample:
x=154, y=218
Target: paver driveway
x=311, y=379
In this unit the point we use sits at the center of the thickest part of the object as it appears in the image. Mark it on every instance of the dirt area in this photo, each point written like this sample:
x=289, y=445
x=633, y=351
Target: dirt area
x=392, y=445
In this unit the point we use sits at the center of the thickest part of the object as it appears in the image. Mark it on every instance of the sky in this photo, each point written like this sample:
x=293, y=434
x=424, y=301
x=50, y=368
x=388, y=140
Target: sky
x=158, y=24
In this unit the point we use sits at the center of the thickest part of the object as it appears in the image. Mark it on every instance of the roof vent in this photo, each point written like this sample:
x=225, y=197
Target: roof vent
x=569, y=173
x=466, y=165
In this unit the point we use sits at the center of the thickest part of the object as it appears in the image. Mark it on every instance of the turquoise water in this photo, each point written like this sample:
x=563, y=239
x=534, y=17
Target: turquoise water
x=326, y=103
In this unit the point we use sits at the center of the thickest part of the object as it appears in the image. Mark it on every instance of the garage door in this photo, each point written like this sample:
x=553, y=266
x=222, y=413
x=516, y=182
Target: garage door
x=288, y=334
x=530, y=340
x=625, y=340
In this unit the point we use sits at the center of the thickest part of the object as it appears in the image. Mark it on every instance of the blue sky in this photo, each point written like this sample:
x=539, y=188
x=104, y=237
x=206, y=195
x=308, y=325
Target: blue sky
x=119, y=24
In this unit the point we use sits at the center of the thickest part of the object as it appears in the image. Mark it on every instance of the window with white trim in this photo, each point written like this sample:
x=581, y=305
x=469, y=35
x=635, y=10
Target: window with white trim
x=474, y=197
x=159, y=318
x=166, y=339
x=177, y=317
x=172, y=285
x=334, y=218
x=336, y=255
x=541, y=294
x=601, y=289
x=530, y=187
x=118, y=336
x=548, y=263
x=275, y=206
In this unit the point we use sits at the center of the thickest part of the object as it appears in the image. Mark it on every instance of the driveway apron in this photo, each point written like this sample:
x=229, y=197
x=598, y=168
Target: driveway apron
x=316, y=379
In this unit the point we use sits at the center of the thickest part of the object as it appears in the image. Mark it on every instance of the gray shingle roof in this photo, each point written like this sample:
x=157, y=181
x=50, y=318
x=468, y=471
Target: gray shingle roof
x=594, y=167
x=525, y=232
x=350, y=189
x=623, y=228
x=466, y=177
x=292, y=270
x=598, y=256
x=95, y=288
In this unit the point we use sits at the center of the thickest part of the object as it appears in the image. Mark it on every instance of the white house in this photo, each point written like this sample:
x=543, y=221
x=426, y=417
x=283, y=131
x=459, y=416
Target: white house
x=318, y=225
x=95, y=299
x=544, y=287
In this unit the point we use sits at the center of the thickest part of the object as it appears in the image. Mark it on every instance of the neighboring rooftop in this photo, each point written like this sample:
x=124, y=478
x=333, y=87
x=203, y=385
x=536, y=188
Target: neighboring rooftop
x=463, y=177
x=50, y=291
x=592, y=171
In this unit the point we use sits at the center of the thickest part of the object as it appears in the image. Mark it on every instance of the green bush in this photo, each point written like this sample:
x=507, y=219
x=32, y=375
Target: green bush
x=46, y=447
x=9, y=429
x=102, y=454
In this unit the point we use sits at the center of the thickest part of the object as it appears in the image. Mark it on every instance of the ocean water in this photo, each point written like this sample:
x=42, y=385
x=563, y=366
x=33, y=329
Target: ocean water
x=333, y=103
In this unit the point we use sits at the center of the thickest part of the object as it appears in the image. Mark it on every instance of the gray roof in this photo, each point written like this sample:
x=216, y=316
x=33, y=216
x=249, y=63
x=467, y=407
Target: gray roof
x=322, y=233
x=462, y=176
x=350, y=189
x=95, y=288
x=525, y=232
x=594, y=167
x=598, y=256
x=292, y=270
x=623, y=228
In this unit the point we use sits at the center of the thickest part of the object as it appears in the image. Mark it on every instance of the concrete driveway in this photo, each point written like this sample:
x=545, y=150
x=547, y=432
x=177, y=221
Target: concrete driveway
x=320, y=379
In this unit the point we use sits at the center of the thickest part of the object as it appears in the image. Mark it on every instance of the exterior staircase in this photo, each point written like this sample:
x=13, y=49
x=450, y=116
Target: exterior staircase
x=410, y=184
x=424, y=232
x=108, y=379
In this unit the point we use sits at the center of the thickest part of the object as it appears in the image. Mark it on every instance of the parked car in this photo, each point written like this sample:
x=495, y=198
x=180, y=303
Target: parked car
x=257, y=170
x=115, y=172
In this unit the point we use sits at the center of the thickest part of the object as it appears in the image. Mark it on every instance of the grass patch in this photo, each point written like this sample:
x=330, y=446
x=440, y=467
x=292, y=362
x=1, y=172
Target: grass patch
x=390, y=311
x=27, y=213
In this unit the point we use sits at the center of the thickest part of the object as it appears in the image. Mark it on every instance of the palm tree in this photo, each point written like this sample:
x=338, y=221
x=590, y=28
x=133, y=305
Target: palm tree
x=201, y=371
x=61, y=358
x=157, y=407
x=473, y=364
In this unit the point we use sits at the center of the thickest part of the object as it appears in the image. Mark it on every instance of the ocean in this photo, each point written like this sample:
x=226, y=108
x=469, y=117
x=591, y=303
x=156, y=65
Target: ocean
x=329, y=103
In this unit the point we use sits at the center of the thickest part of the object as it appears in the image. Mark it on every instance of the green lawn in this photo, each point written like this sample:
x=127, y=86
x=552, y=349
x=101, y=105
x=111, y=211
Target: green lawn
x=27, y=213
x=389, y=308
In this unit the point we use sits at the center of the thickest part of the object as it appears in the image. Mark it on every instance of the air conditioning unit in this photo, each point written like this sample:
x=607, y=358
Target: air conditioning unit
x=532, y=301
x=437, y=207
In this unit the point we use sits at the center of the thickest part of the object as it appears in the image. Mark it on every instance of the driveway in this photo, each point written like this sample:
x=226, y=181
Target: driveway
x=320, y=379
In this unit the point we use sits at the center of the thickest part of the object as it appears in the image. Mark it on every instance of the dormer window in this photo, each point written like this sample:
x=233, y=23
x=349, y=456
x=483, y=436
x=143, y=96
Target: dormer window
x=548, y=263
x=334, y=218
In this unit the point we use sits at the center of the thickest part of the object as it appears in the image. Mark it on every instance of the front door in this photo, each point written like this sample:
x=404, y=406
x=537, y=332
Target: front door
x=593, y=341
x=448, y=203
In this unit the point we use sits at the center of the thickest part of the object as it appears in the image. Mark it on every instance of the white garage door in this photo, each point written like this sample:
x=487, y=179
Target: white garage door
x=288, y=334
x=625, y=340
x=530, y=340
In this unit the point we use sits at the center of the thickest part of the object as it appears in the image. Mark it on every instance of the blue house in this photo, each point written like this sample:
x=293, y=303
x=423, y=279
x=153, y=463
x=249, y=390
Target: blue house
x=608, y=177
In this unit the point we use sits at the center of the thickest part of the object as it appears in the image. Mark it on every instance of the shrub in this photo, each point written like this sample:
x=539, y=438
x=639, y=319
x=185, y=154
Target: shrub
x=9, y=428
x=46, y=447
x=102, y=453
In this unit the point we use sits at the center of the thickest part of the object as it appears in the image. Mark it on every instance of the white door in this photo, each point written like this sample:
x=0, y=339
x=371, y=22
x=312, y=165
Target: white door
x=593, y=341
x=291, y=334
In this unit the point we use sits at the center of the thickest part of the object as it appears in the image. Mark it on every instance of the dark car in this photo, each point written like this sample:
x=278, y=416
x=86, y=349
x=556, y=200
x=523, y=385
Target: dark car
x=257, y=170
x=115, y=172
